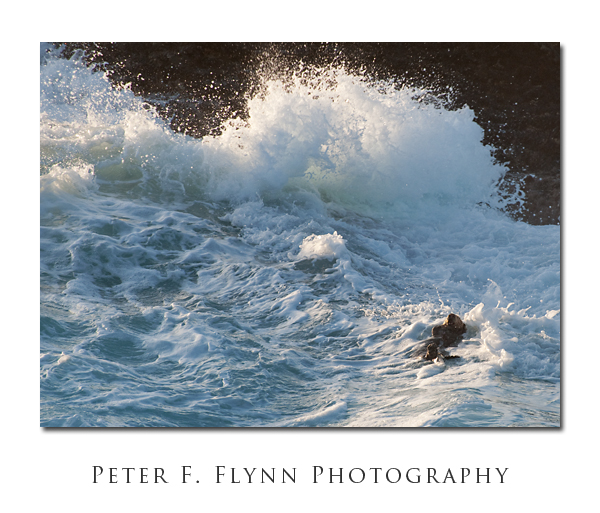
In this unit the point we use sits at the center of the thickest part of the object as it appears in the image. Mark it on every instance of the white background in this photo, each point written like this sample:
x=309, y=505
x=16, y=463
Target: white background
x=51, y=470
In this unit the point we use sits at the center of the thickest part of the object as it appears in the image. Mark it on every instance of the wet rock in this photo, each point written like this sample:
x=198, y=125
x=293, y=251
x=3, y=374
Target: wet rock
x=513, y=89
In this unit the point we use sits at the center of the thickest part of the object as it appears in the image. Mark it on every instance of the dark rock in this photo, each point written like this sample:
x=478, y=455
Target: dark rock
x=443, y=336
x=513, y=89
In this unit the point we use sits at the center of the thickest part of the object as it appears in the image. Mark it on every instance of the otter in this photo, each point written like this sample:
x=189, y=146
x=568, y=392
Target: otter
x=443, y=336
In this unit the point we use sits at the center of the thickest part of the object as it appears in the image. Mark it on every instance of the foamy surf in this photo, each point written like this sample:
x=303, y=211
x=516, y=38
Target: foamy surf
x=283, y=272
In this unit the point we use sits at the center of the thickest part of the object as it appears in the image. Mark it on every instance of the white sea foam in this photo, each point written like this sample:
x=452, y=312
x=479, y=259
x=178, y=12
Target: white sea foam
x=284, y=272
x=358, y=145
x=326, y=415
x=323, y=246
x=364, y=147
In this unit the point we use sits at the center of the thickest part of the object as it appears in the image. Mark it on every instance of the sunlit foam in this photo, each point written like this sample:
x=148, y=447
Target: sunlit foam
x=356, y=143
x=361, y=144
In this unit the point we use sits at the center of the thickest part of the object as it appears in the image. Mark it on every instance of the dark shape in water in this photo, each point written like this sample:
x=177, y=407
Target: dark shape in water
x=443, y=336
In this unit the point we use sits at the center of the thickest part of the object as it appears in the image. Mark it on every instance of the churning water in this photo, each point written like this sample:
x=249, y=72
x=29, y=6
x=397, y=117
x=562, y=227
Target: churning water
x=282, y=273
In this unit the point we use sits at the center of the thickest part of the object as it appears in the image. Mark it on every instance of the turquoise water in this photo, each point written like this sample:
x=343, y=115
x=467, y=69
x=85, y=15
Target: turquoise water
x=282, y=273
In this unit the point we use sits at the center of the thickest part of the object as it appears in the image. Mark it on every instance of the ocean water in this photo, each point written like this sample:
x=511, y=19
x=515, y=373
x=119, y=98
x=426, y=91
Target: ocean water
x=283, y=272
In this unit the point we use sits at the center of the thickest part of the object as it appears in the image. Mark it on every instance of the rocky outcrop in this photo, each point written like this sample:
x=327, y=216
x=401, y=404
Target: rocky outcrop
x=513, y=88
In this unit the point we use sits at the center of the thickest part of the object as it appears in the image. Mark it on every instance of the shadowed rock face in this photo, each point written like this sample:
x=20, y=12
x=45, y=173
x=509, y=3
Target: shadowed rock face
x=513, y=88
x=443, y=336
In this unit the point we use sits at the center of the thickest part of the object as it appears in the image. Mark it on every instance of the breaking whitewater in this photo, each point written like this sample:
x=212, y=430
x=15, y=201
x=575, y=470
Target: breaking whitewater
x=283, y=272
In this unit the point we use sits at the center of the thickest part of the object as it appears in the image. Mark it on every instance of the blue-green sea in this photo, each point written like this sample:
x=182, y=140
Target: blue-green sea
x=283, y=272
